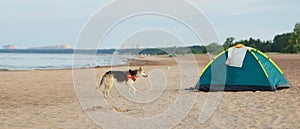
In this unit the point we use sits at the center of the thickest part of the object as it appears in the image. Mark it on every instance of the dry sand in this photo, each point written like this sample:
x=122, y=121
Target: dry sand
x=47, y=99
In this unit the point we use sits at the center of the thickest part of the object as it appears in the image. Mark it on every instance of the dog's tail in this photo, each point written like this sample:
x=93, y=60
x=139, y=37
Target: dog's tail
x=103, y=80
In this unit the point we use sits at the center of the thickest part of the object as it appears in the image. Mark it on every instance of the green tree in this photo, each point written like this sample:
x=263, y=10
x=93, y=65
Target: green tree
x=281, y=43
x=297, y=31
x=295, y=39
x=214, y=48
x=198, y=49
x=228, y=43
x=268, y=46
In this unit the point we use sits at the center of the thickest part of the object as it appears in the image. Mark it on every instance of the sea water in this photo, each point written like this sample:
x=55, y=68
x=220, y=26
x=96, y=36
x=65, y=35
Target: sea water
x=33, y=61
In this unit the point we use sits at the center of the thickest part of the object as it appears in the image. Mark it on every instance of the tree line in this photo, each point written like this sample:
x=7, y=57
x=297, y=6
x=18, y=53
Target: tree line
x=283, y=43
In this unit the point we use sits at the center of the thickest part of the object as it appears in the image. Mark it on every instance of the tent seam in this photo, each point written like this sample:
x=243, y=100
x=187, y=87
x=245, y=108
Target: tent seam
x=263, y=68
x=211, y=62
x=271, y=61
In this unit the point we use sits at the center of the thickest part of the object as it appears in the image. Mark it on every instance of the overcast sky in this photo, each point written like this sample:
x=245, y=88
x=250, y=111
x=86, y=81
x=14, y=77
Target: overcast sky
x=31, y=23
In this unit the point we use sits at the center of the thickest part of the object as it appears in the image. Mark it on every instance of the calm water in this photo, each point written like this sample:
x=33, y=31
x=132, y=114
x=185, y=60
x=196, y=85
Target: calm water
x=26, y=61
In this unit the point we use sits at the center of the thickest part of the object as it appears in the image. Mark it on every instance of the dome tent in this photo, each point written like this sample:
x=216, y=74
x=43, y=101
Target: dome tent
x=252, y=71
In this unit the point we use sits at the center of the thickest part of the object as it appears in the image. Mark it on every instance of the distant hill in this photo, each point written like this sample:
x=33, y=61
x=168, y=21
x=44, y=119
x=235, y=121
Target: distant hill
x=153, y=51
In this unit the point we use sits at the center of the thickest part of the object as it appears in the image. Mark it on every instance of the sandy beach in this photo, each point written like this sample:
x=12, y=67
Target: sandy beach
x=42, y=99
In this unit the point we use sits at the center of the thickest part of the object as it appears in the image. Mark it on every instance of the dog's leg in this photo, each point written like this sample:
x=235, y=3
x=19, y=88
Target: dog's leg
x=109, y=88
x=109, y=85
x=130, y=86
x=105, y=91
x=104, y=82
x=134, y=90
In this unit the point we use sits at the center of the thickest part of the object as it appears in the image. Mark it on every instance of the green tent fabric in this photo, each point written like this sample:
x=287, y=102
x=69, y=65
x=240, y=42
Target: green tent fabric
x=258, y=72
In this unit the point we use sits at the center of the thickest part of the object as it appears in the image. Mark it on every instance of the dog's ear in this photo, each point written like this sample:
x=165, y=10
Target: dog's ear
x=140, y=68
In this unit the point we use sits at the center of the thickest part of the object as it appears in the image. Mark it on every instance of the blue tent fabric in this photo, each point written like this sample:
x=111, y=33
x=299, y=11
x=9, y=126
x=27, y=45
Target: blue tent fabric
x=258, y=72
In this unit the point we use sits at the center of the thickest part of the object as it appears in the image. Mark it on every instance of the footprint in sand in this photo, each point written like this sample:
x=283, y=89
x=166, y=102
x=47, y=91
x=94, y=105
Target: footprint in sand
x=119, y=109
x=93, y=109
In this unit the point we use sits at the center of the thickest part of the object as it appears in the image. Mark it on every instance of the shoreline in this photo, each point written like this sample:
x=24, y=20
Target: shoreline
x=141, y=61
x=138, y=61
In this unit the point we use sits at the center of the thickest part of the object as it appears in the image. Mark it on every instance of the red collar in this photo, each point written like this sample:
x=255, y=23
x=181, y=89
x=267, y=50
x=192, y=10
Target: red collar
x=130, y=76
